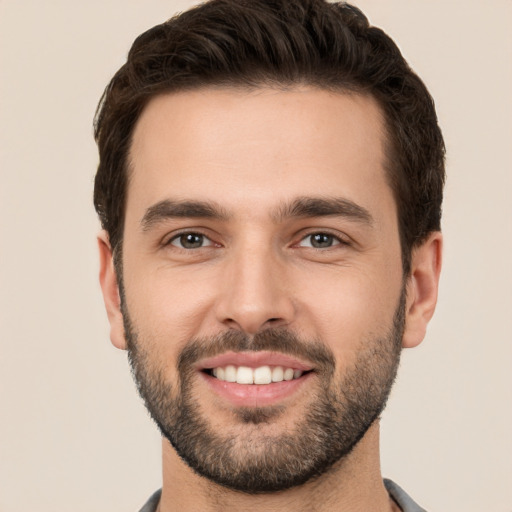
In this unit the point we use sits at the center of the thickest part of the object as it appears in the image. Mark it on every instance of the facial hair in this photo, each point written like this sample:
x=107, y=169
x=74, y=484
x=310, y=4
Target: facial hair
x=341, y=408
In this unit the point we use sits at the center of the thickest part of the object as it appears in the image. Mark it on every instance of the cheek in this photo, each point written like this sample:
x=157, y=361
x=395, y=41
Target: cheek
x=346, y=308
x=167, y=305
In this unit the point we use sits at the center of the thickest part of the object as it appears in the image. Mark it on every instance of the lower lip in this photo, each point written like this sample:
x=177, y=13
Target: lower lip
x=255, y=395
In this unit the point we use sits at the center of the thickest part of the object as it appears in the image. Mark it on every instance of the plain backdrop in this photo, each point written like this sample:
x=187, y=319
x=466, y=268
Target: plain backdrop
x=73, y=433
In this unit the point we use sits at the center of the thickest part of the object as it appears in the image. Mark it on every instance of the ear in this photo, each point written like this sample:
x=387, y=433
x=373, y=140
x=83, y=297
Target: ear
x=110, y=289
x=422, y=287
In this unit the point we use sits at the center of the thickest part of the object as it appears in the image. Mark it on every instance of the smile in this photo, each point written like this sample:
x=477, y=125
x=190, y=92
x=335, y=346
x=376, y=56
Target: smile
x=251, y=379
x=261, y=375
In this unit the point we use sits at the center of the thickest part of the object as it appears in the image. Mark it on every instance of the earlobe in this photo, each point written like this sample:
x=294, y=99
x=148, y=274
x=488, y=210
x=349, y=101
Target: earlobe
x=110, y=290
x=422, y=288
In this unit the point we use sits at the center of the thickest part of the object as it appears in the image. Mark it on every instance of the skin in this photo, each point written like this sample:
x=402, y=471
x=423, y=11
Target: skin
x=251, y=152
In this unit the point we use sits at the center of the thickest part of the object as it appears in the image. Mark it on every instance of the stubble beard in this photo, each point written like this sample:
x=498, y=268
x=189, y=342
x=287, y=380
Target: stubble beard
x=338, y=415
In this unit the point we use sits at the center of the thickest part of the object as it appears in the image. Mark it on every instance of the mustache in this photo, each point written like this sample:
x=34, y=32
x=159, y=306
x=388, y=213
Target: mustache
x=273, y=340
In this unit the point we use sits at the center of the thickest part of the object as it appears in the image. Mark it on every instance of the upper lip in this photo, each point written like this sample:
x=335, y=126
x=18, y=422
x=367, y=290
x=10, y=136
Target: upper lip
x=253, y=360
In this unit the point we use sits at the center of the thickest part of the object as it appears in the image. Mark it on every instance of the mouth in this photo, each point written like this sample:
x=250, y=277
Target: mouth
x=254, y=379
x=259, y=376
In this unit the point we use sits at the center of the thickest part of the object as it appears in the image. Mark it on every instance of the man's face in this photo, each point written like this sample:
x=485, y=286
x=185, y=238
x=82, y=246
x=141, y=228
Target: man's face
x=261, y=242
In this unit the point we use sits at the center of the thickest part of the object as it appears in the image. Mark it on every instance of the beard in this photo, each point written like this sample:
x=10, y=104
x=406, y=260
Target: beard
x=251, y=459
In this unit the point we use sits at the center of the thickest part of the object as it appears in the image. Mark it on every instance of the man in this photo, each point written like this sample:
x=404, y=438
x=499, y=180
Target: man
x=270, y=187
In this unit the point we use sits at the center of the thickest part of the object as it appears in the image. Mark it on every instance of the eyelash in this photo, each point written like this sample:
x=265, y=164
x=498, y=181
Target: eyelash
x=190, y=233
x=336, y=240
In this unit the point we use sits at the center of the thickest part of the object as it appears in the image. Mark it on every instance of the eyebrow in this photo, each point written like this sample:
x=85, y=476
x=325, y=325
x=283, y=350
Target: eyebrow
x=168, y=209
x=301, y=207
x=305, y=207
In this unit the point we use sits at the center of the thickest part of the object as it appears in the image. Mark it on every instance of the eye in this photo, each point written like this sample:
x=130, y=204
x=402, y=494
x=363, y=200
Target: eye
x=190, y=241
x=320, y=241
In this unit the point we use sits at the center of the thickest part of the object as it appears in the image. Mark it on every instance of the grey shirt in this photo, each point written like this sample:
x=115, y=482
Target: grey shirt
x=403, y=500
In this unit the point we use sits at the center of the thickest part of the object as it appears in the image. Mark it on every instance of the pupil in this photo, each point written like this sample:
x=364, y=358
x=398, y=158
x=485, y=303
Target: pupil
x=322, y=240
x=191, y=241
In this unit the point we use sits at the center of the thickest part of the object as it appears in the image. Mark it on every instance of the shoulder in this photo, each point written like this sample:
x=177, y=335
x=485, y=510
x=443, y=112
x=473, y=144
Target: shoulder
x=404, y=501
x=152, y=503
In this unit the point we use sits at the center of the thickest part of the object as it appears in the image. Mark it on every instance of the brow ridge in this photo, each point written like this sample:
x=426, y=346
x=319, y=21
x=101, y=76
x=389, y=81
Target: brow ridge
x=323, y=207
x=168, y=209
x=301, y=207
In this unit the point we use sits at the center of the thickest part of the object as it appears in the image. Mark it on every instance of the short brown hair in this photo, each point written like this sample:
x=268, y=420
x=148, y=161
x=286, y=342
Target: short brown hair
x=276, y=43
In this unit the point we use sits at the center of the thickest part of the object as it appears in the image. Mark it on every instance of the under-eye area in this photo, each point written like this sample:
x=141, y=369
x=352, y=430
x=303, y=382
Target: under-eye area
x=260, y=375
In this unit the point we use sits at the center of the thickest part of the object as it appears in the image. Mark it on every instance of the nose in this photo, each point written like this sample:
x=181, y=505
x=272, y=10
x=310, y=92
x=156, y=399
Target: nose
x=254, y=294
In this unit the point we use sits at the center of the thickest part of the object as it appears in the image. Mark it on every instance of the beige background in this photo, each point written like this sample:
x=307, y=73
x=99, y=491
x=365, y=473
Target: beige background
x=73, y=433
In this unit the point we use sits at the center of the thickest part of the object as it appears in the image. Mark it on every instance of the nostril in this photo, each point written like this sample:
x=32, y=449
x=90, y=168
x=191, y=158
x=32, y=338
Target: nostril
x=272, y=323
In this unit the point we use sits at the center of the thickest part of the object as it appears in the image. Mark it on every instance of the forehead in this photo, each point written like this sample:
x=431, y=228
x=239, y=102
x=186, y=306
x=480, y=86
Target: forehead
x=248, y=149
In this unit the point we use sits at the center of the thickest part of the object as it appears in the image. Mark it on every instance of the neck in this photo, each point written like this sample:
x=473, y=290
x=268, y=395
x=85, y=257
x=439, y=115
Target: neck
x=354, y=484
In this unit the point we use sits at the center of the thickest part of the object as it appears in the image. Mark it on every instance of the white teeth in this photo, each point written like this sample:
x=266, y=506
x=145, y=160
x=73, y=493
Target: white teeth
x=288, y=374
x=277, y=374
x=260, y=375
x=230, y=373
x=244, y=375
x=263, y=375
